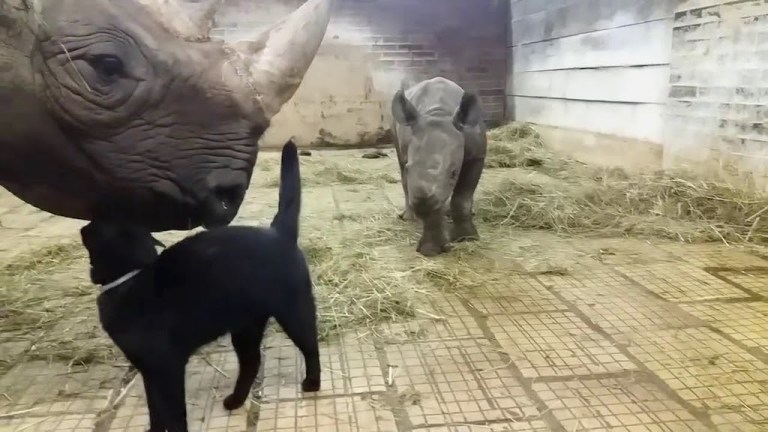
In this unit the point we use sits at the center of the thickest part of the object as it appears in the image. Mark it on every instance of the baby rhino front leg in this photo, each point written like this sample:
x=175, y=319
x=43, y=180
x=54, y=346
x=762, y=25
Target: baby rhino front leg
x=461, y=202
x=433, y=240
x=463, y=226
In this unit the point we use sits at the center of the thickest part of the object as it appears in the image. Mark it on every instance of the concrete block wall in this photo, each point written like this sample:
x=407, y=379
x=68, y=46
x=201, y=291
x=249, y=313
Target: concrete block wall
x=637, y=83
x=369, y=48
x=594, y=74
x=717, y=116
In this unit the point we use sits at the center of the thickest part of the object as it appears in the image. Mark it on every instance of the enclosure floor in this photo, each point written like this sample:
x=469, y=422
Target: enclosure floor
x=636, y=336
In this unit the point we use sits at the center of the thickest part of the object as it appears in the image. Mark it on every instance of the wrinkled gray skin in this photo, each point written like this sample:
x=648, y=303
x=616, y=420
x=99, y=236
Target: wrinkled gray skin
x=441, y=144
x=126, y=110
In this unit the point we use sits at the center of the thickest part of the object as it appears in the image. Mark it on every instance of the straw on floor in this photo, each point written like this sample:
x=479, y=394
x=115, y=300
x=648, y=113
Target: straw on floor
x=366, y=270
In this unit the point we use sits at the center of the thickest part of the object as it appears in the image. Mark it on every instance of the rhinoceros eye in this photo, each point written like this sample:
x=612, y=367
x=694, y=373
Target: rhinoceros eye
x=107, y=65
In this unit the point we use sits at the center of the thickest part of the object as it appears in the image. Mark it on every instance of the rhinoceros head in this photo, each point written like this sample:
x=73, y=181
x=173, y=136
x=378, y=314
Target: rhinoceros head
x=125, y=109
x=436, y=144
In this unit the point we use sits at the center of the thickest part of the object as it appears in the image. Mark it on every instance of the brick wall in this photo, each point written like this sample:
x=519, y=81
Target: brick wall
x=370, y=46
x=461, y=40
x=717, y=114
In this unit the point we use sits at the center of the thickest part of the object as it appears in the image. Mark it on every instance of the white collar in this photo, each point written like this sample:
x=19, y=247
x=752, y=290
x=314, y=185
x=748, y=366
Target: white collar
x=119, y=281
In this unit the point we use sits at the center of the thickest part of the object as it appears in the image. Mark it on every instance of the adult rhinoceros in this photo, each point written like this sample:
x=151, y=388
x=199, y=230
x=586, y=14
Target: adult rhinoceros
x=126, y=109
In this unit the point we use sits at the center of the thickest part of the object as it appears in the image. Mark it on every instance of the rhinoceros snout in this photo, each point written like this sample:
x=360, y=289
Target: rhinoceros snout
x=425, y=205
x=224, y=195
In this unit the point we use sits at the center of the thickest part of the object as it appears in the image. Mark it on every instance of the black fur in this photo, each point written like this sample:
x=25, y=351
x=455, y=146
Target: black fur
x=226, y=280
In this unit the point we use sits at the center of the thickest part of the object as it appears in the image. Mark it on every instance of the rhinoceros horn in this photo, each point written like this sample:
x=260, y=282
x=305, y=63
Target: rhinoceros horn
x=277, y=60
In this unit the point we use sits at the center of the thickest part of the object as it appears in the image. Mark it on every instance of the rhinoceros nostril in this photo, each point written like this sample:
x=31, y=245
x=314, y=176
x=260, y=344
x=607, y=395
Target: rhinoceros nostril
x=228, y=186
x=224, y=195
x=229, y=196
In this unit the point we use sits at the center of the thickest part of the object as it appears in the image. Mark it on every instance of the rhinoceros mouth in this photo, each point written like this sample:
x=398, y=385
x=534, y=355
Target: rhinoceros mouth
x=221, y=205
x=161, y=212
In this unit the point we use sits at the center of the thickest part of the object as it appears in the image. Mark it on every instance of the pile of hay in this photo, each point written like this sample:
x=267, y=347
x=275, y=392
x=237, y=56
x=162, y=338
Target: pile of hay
x=526, y=149
x=47, y=300
x=365, y=276
x=364, y=266
x=319, y=171
x=570, y=197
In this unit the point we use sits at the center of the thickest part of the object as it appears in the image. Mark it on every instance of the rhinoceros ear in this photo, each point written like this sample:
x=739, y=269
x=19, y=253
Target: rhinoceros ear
x=278, y=58
x=469, y=113
x=179, y=19
x=18, y=14
x=403, y=110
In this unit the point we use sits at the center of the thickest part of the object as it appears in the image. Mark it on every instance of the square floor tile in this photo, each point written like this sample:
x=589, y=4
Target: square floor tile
x=588, y=285
x=448, y=326
x=616, y=305
x=744, y=322
x=704, y=368
x=342, y=414
x=615, y=404
x=625, y=251
x=54, y=423
x=556, y=344
x=206, y=388
x=450, y=382
x=741, y=418
x=532, y=426
x=678, y=282
x=510, y=294
x=53, y=388
x=715, y=255
x=751, y=280
x=348, y=367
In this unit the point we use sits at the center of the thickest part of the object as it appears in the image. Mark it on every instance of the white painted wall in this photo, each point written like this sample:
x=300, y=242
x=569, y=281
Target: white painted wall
x=598, y=66
x=717, y=114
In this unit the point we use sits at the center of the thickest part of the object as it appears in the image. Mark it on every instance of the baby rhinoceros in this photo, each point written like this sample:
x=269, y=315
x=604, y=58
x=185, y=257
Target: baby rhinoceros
x=441, y=143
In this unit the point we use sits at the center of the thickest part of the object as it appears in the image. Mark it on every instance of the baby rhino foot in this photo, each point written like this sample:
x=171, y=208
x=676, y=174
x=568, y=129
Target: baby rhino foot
x=463, y=232
x=407, y=215
x=430, y=248
x=232, y=402
x=310, y=385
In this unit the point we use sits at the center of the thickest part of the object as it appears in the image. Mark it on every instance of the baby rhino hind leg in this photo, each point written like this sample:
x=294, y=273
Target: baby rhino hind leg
x=247, y=344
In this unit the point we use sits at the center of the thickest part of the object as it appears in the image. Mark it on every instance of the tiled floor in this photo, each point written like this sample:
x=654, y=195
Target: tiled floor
x=635, y=336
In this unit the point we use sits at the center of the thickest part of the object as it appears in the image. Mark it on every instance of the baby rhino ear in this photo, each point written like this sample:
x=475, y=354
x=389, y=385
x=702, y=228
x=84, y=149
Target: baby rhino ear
x=469, y=113
x=403, y=110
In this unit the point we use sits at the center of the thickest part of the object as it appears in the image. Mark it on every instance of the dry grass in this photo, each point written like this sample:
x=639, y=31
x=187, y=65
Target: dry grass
x=570, y=197
x=323, y=171
x=47, y=300
x=363, y=277
x=527, y=151
x=364, y=266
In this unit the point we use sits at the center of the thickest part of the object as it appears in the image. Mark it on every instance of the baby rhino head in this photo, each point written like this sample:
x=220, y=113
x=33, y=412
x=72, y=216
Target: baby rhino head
x=117, y=249
x=435, y=150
